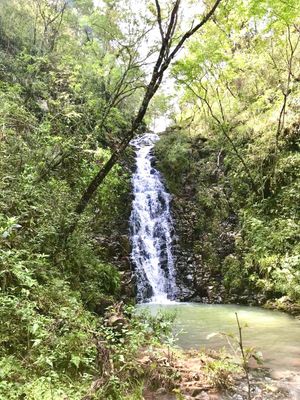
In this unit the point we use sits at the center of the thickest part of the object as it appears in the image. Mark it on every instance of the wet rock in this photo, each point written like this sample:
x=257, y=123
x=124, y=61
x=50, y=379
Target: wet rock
x=161, y=391
x=284, y=304
x=117, y=322
x=125, y=243
x=128, y=285
x=185, y=294
x=237, y=397
x=102, y=304
x=203, y=396
x=196, y=391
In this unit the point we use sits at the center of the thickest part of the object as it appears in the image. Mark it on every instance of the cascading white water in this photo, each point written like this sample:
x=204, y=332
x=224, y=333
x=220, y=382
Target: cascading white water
x=151, y=227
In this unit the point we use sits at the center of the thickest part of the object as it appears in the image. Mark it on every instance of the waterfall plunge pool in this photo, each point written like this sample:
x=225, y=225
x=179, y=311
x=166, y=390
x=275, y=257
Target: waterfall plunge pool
x=275, y=334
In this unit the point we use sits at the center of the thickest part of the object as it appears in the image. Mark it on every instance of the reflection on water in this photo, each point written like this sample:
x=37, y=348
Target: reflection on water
x=275, y=334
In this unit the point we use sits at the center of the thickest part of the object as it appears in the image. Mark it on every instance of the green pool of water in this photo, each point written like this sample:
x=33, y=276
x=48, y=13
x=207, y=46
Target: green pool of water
x=275, y=334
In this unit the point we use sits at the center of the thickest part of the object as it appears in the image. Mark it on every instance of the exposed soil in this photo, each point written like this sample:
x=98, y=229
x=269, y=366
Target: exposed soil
x=184, y=375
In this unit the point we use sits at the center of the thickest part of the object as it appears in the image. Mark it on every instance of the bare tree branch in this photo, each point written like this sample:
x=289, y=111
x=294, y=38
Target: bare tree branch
x=191, y=32
x=163, y=61
x=290, y=53
x=159, y=20
x=222, y=126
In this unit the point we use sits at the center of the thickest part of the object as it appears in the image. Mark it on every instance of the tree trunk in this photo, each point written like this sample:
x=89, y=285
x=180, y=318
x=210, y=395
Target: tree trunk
x=163, y=61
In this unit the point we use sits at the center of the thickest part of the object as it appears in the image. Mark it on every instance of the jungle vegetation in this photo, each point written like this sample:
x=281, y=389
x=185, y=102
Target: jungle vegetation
x=79, y=79
x=235, y=141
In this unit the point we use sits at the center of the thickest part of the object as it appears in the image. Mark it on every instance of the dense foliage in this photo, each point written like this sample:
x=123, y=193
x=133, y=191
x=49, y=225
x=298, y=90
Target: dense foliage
x=62, y=108
x=72, y=76
x=234, y=149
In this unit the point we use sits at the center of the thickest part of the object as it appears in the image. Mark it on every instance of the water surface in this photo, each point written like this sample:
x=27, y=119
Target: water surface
x=275, y=334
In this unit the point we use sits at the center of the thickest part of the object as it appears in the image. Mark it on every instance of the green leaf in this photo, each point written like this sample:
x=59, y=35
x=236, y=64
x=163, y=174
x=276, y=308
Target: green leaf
x=75, y=359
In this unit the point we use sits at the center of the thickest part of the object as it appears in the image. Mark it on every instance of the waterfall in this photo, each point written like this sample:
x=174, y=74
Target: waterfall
x=151, y=227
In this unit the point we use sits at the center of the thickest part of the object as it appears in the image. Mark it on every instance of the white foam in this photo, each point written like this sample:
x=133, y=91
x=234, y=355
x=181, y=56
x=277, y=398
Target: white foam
x=151, y=227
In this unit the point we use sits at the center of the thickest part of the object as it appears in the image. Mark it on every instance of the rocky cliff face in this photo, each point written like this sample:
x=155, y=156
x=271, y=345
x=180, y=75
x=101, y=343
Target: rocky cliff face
x=206, y=225
x=200, y=255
